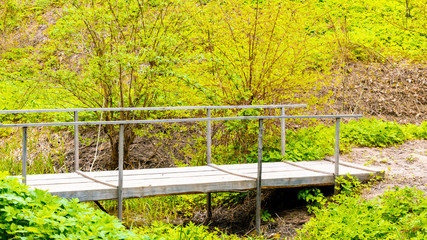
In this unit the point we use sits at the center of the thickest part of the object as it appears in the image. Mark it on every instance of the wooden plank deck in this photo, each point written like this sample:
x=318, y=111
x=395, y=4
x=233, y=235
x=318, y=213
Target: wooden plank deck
x=202, y=179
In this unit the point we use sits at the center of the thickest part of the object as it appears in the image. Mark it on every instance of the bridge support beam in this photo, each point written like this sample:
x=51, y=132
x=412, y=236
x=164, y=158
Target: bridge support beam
x=24, y=155
x=76, y=142
x=209, y=161
x=258, y=180
x=337, y=152
x=120, y=185
x=283, y=131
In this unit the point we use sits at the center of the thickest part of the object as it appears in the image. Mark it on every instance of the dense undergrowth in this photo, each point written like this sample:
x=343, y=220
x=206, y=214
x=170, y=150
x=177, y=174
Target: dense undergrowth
x=35, y=214
x=396, y=214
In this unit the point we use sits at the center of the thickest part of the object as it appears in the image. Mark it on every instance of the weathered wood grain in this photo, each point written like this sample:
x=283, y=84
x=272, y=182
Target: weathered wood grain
x=201, y=179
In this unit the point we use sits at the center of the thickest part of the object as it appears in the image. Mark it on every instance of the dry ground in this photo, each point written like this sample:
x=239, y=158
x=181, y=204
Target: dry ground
x=404, y=165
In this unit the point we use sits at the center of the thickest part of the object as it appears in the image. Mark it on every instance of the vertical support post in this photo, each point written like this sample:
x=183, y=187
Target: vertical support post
x=282, y=131
x=258, y=180
x=209, y=160
x=76, y=142
x=209, y=138
x=120, y=183
x=337, y=151
x=24, y=155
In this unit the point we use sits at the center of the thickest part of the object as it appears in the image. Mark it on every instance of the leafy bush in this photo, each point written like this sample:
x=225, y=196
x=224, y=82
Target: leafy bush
x=314, y=197
x=309, y=143
x=35, y=214
x=417, y=132
x=397, y=214
x=373, y=133
x=348, y=185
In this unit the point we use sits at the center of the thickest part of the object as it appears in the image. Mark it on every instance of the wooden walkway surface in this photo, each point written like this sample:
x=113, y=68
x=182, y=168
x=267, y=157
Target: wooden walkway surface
x=93, y=186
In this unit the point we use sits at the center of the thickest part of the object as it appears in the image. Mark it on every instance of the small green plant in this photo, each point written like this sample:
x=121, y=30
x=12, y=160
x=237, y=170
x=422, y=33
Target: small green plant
x=411, y=158
x=85, y=141
x=35, y=214
x=348, y=185
x=266, y=216
x=314, y=198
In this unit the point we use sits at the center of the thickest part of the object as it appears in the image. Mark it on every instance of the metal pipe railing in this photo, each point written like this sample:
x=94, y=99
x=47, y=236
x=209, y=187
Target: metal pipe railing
x=174, y=120
x=149, y=108
x=208, y=120
x=78, y=123
x=283, y=132
x=258, y=179
x=76, y=142
x=337, y=151
x=24, y=154
x=120, y=183
x=209, y=159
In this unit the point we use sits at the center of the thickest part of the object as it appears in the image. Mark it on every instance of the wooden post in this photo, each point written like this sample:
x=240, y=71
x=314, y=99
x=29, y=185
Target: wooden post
x=24, y=155
x=120, y=185
x=337, y=152
x=76, y=142
x=258, y=180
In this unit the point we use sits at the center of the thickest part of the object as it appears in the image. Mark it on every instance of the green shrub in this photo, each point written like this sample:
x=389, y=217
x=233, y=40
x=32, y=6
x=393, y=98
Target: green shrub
x=309, y=143
x=314, y=198
x=397, y=214
x=35, y=214
x=373, y=133
x=418, y=132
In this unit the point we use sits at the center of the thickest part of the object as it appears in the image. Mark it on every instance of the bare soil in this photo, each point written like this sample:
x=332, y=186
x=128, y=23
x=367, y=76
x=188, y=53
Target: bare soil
x=404, y=165
x=395, y=91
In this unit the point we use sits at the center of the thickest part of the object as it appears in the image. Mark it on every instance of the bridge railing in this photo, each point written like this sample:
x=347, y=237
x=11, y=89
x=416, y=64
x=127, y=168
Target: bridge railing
x=78, y=123
x=208, y=119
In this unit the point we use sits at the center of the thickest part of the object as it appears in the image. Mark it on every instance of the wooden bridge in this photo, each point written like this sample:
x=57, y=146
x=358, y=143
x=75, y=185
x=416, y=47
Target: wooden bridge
x=94, y=186
x=122, y=184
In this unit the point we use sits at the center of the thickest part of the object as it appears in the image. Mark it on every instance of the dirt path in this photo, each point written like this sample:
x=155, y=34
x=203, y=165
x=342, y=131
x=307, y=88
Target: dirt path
x=404, y=165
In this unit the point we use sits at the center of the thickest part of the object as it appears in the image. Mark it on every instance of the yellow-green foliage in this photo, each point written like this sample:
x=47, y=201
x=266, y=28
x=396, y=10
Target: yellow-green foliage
x=259, y=52
x=375, y=30
x=35, y=214
x=397, y=214
x=142, y=53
